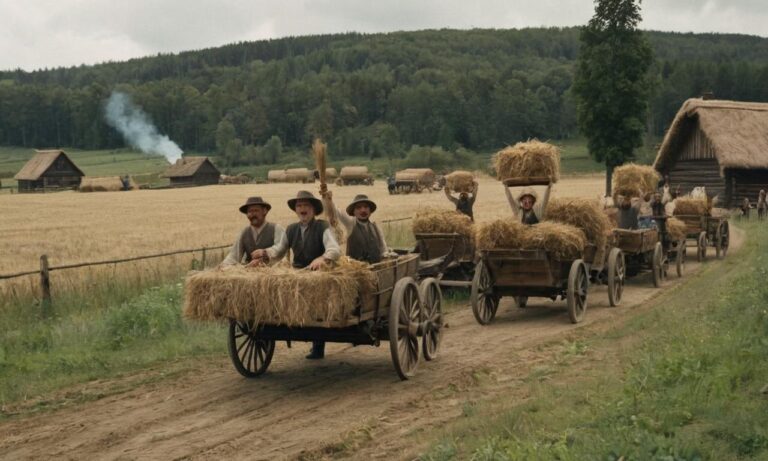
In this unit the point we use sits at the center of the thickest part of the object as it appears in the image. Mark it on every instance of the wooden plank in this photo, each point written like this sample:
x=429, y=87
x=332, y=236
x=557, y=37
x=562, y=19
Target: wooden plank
x=533, y=181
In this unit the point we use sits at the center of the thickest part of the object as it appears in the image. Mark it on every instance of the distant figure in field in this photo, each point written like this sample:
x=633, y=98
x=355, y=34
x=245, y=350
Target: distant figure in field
x=466, y=200
x=745, y=206
x=761, y=205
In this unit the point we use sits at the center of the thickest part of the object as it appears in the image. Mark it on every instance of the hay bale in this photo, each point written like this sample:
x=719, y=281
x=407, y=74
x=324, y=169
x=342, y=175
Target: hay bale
x=687, y=205
x=354, y=172
x=587, y=215
x=460, y=181
x=302, y=175
x=276, y=176
x=528, y=159
x=105, y=184
x=440, y=221
x=632, y=180
x=277, y=295
x=563, y=241
x=421, y=175
x=331, y=174
x=676, y=229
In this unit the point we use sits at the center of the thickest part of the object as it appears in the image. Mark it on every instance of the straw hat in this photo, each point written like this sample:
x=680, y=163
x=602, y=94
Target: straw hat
x=306, y=195
x=360, y=198
x=254, y=201
x=528, y=191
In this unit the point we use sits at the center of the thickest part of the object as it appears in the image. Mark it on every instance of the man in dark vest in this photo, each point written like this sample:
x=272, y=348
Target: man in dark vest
x=466, y=200
x=258, y=235
x=311, y=242
x=365, y=241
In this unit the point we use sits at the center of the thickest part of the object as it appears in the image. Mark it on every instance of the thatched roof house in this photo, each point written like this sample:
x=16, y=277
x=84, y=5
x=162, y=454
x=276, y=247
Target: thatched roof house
x=192, y=171
x=48, y=169
x=722, y=145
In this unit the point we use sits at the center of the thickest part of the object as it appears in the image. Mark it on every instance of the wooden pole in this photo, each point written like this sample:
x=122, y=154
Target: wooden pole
x=202, y=262
x=45, y=286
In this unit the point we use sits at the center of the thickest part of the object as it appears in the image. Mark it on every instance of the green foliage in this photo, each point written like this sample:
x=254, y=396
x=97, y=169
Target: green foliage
x=151, y=315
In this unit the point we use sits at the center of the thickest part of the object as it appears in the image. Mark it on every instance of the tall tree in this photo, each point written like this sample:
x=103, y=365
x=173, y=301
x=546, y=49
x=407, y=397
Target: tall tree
x=612, y=84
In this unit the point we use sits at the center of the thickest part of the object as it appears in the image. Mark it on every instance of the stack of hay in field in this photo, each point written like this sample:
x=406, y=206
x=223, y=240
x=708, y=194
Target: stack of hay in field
x=278, y=295
x=331, y=174
x=240, y=178
x=528, y=160
x=354, y=174
x=105, y=184
x=440, y=221
x=633, y=180
x=460, y=181
x=587, y=215
x=676, y=229
x=420, y=175
x=302, y=175
x=563, y=241
x=687, y=205
x=276, y=176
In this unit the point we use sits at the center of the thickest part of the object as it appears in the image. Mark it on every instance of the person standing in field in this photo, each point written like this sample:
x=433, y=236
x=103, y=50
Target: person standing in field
x=525, y=205
x=745, y=206
x=311, y=242
x=466, y=201
x=761, y=205
x=365, y=240
x=257, y=235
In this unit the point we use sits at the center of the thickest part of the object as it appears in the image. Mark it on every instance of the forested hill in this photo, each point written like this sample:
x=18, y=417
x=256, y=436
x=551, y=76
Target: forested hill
x=372, y=95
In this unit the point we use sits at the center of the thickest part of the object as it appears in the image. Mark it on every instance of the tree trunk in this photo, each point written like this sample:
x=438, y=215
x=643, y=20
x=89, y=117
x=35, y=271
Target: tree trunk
x=608, y=178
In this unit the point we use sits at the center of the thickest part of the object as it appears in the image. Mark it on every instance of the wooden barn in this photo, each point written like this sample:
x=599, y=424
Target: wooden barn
x=192, y=171
x=48, y=169
x=722, y=145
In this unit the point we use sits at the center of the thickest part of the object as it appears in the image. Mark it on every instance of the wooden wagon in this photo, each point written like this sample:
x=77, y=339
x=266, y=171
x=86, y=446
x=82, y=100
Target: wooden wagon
x=414, y=180
x=458, y=251
x=610, y=270
x=707, y=231
x=643, y=251
x=407, y=314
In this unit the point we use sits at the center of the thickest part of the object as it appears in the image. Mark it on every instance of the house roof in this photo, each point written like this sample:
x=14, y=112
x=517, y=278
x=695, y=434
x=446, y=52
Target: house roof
x=738, y=132
x=186, y=166
x=39, y=164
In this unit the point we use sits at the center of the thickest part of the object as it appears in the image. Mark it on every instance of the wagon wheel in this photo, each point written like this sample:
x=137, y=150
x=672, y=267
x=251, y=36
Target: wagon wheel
x=578, y=284
x=659, y=265
x=484, y=301
x=701, y=247
x=616, y=276
x=432, y=298
x=250, y=354
x=404, y=316
x=680, y=258
x=723, y=239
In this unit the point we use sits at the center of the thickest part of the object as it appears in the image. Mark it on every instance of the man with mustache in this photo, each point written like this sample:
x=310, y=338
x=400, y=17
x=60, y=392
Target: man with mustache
x=365, y=241
x=310, y=240
x=258, y=235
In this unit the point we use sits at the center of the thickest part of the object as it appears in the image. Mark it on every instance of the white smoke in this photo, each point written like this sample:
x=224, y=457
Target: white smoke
x=135, y=126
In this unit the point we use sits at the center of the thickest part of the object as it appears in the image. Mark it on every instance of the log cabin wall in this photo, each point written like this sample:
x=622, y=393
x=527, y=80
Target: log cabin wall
x=747, y=184
x=697, y=166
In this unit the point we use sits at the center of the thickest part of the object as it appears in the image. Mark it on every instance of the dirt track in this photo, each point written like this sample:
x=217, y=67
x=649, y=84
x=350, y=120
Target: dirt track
x=308, y=408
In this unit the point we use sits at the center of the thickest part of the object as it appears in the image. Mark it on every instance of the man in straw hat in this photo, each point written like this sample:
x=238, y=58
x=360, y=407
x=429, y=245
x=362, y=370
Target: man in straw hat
x=466, y=200
x=311, y=242
x=365, y=241
x=525, y=205
x=258, y=235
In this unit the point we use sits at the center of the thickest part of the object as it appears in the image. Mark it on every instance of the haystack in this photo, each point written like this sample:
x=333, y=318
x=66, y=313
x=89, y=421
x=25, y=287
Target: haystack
x=276, y=176
x=687, y=205
x=421, y=175
x=105, y=184
x=354, y=172
x=331, y=173
x=302, y=175
x=587, y=215
x=564, y=241
x=277, y=295
x=632, y=180
x=528, y=159
x=676, y=229
x=440, y=221
x=460, y=181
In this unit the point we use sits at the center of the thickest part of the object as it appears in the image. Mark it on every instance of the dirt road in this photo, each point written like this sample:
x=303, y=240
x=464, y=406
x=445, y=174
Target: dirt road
x=350, y=405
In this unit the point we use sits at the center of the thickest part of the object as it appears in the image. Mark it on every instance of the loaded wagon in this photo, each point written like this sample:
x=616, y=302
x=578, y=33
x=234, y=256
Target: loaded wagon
x=354, y=175
x=643, y=251
x=413, y=180
x=707, y=231
x=458, y=252
x=407, y=314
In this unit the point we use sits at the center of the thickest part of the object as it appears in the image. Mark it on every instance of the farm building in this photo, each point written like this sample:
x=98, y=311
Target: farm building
x=48, y=169
x=722, y=145
x=192, y=171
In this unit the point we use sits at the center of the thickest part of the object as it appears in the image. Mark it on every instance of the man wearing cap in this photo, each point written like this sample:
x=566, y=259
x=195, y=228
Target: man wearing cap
x=465, y=202
x=311, y=242
x=365, y=241
x=259, y=234
x=526, y=206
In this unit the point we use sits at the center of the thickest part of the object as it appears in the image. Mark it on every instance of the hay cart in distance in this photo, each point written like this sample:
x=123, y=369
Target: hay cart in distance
x=643, y=251
x=407, y=314
x=458, y=268
x=414, y=180
x=707, y=231
x=354, y=176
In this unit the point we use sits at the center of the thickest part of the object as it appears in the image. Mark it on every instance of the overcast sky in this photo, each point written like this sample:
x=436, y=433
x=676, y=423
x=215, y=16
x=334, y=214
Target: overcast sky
x=50, y=33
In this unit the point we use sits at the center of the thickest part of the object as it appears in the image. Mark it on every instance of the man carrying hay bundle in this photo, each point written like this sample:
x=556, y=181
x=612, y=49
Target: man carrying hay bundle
x=466, y=200
x=310, y=240
x=365, y=241
x=525, y=205
x=258, y=235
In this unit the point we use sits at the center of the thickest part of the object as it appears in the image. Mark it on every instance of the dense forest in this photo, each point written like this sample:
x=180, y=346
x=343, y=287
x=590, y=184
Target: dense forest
x=373, y=95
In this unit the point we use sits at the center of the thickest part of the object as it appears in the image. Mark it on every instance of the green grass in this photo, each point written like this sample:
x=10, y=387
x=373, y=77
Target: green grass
x=687, y=381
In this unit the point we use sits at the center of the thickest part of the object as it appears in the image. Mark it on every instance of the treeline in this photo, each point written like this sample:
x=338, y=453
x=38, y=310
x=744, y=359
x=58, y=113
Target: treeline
x=373, y=95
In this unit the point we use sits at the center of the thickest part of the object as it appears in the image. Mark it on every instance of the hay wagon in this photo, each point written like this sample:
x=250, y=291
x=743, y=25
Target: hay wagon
x=643, y=251
x=354, y=176
x=407, y=314
x=707, y=231
x=414, y=180
x=458, y=267
x=609, y=270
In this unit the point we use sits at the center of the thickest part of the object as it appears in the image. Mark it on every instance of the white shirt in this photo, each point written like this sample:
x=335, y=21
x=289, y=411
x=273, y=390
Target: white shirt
x=237, y=253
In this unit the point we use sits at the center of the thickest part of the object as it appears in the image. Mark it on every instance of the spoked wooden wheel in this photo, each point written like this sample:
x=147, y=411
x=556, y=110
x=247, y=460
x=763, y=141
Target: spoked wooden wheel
x=680, y=258
x=576, y=295
x=701, y=247
x=723, y=239
x=659, y=265
x=250, y=354
x=617, y=274
x=432, y=299
x=484, y=301
x=404, y=318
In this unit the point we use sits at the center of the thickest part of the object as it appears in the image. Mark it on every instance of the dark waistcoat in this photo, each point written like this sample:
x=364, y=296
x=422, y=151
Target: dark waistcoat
x=465, y=206
x=530, y=218
x=363, y=245
x=249, y=244
x=311, y=246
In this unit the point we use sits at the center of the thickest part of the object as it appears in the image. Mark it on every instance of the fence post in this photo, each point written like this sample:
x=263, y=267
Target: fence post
x=202, y=263
x=45, y=285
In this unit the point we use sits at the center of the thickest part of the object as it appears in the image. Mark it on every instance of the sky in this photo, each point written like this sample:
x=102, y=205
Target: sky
x=38, y=34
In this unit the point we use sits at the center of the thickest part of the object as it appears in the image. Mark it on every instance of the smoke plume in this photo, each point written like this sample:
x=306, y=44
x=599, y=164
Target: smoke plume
x=135, y=126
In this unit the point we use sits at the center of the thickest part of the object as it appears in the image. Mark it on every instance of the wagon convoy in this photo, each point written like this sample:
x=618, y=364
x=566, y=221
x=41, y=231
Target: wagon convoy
x=704, y=228
x=414, y=180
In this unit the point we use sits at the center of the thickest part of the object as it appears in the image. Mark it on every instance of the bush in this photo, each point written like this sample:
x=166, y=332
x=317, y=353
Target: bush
x=151, y=315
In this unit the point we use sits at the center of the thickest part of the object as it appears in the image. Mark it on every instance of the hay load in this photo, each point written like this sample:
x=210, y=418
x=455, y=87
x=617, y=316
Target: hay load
x=331, y=174
x=632, y=180
x=276, y=176
x=354, y=173
x=302, y=175
x=105, y=184
x=676, y=229
x=277, y=295
x=420, y=175
x=528, y=160
x=460, y=181
x=585, y=214
x=563, y=241
x=440, y=221
x=688, y=205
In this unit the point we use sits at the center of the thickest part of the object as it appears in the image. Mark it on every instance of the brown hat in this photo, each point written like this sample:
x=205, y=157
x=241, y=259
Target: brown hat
x=360, y=198
x=254, y=201
x=306, y=195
